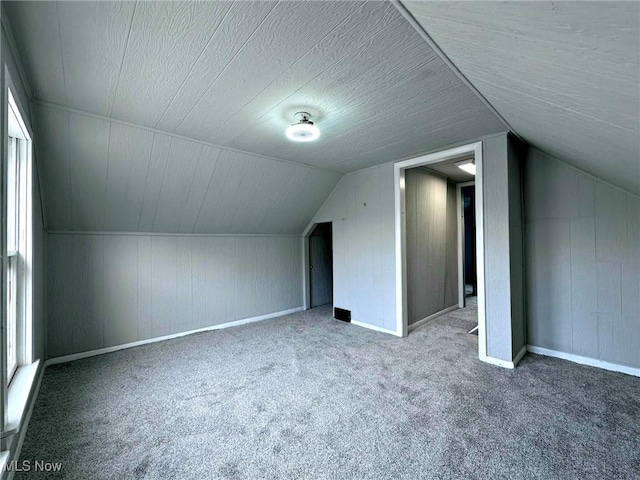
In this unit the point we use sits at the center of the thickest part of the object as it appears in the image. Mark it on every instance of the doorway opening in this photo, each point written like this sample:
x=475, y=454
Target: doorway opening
x=444, y=164
x=321, y=265
x=468, y=278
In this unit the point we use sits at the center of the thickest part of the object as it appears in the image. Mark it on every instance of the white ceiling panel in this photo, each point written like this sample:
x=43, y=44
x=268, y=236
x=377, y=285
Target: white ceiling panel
x=94, y=36
x=286, y=34
x=170, y=116
x=171, y=38
x=117, y=177
x=234, y=73
x=239, y=25
x=565, y=75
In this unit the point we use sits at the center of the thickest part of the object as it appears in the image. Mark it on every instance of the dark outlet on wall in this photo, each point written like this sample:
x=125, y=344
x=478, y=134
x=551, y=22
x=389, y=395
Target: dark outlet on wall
x=342, y=314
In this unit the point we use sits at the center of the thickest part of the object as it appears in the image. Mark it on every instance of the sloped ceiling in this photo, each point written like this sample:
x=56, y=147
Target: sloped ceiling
x=125, y=88
x=118, y=177
x=564, y=75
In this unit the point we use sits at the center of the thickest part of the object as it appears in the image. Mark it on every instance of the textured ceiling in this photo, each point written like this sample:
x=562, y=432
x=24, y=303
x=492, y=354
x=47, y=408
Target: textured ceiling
x=233, y=74
x=118, y=177
x=564, y=75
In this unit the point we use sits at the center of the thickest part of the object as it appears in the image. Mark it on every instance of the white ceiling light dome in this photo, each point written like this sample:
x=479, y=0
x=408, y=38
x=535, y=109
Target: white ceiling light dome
x=304, y=130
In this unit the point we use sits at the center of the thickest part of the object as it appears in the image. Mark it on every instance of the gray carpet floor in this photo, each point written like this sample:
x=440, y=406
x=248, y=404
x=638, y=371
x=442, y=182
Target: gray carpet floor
x=307, y=397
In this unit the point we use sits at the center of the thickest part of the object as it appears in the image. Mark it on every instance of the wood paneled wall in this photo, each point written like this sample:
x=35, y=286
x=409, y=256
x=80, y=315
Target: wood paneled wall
x=432, y=258
x=583, y=263
x=106, y=290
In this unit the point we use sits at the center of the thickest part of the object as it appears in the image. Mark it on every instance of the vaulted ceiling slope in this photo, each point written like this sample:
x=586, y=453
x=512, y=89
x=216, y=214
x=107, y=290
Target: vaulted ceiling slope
x=102, y=175
x=564, y=75
x=233, y=74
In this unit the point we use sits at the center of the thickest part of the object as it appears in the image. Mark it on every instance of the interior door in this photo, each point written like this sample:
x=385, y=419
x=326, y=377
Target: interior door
x=321, y=265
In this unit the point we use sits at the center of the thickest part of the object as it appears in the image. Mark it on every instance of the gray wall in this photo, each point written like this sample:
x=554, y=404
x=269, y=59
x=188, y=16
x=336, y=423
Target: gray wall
x=431, y=244
x=583, y=263
x=106, y=290
x=517, y=155
x=362, y=211
x=500, y=246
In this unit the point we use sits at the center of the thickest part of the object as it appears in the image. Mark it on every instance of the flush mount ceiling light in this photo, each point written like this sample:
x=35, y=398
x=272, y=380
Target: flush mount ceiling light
x=468, y=166
x=304, y=130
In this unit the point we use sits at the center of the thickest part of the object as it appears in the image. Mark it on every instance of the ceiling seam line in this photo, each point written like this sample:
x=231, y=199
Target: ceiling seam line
x=164, y=175
x=345, y=20
x=106, y=179
x=360, y=45
x=423, y=33
x=206, y=192
x=146, y=179
x=558, y=106
x=64, y=73
x=124, y=57
x=244, y=44
x=193, y=179
x=193, y=66
x=181, y=137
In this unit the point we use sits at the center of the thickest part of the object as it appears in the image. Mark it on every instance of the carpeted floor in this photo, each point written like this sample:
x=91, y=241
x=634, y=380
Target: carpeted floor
x=308, y=397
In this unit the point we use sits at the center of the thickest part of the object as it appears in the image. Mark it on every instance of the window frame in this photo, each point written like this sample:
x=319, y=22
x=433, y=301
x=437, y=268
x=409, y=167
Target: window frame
x=17, y=259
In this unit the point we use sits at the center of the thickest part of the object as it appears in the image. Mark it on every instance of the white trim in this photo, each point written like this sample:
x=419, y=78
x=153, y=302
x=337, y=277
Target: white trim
x=432, y=317
x=480, y=272
x=592, y=362
x=115, y=348
x=402, y=320
x=520, y=354
x=18, y=396
x=400, y=236
x=498, y=362
x=374, y=328
x=27, y=418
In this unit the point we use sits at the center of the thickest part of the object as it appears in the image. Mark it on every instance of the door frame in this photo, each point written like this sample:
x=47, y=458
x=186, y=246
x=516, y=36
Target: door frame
x=306, y=258
x=309, y=265
x=461, y=262
x=402, y=324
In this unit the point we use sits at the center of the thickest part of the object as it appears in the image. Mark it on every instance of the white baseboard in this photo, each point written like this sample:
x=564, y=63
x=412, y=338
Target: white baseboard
x=505, y=363
x=115, y=348
x=592, y=362
x=375, y=328
x=430, y=318
x=497, y=362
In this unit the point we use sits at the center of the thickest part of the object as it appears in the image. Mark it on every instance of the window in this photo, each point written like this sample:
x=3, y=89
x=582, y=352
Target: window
x=18, y=254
